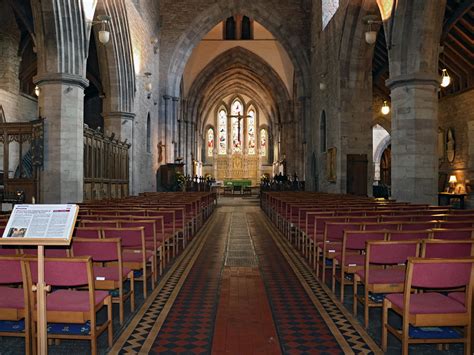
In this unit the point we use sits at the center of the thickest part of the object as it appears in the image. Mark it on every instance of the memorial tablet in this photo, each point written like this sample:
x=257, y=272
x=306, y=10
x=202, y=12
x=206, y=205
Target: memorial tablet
x=40, y=225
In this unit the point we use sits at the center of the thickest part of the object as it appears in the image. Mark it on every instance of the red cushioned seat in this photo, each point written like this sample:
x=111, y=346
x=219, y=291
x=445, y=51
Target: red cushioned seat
x=428, y=303
x=110, y=273
x=351, y=259
x=458, y=296
x=383, y=276
x=72, y=300
x=135, y=256
x=12, y=297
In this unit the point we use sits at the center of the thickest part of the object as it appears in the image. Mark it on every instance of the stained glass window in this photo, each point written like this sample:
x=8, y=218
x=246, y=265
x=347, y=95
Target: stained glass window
x=263, y=142
x=329, y=9
x=210, y=142
x=386, y=7
x=222, y=127
x=236, y=113
x=251, y=137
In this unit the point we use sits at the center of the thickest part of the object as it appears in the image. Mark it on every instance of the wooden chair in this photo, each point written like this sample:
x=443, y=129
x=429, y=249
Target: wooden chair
x=432, y=309
x=390, y=255
x=151, y=241
x=351, y=258
x=66, y=305
x=109, y=272
x=86, y=232
x=134, y=252
x=14, y=300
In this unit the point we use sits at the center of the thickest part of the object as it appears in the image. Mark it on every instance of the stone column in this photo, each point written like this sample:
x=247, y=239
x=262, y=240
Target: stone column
x=174, y=124
x=187, y=153
x=119, y=123
x=166, y=139
x=414, y=138
x=62, y=104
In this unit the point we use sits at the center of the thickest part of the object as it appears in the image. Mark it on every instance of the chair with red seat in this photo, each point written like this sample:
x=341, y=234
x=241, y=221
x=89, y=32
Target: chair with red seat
x=408, y=235
x=439, y=248
x=135, y=254
x=351, y=259
x=111, y=274
x=453, y=234
x=384, y=271
x=332, y=243
x=151, y=240
x=67, y=305
x=14, y=300
x=88, y=232
x=99, y=224
x=431, y=309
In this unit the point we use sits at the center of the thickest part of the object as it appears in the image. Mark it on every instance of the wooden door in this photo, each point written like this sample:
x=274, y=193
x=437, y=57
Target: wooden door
x=357, y=174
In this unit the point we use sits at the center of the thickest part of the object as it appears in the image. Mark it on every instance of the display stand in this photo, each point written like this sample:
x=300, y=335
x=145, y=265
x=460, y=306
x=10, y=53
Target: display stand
x=41, y=225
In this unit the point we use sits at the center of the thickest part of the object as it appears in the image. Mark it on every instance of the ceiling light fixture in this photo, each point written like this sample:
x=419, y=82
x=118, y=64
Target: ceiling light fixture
x=445, y=78
x=385, y=108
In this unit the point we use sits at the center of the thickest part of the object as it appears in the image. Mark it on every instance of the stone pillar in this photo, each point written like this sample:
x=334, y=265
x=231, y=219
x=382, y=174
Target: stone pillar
x=174, y=125
x=119, y=123
x=166, y=139
x=414, y=138
x=62, y=103
x=187, y=152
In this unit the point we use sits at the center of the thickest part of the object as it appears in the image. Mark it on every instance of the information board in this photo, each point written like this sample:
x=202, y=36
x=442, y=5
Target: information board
x=40, y=225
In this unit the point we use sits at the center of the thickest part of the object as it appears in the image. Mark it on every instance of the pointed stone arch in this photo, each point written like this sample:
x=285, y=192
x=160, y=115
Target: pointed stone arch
x=268, y=16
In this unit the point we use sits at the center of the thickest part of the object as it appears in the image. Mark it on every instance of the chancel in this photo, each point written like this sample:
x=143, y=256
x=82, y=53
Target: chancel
x=252, y=176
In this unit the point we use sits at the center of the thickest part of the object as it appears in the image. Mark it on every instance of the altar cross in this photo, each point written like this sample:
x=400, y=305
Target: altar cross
x=239, y=118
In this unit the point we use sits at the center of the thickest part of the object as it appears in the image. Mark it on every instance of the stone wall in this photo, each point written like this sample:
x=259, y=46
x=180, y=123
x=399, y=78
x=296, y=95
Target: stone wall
x=341, y=63
x=142, y=16
x=456, y=112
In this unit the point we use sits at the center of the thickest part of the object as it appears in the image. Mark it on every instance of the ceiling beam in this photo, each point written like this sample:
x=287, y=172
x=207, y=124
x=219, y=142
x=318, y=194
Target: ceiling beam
x=460, y=11
x=24, y=18
x=455, y=53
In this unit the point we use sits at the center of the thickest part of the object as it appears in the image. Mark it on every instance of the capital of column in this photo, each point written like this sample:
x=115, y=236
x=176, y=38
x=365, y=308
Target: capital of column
x=119, y=115
x=61, y=78
x=413, y=79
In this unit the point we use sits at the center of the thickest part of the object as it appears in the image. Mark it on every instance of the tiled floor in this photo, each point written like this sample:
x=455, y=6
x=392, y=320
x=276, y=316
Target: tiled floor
x=244, y=323
x=240, y=288
x=236, y=293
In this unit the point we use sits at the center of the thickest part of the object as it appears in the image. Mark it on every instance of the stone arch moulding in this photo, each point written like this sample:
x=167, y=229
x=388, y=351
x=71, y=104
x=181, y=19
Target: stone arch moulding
x=384, y=143
x=222, y=9
x=237, y=58
x=116, y=59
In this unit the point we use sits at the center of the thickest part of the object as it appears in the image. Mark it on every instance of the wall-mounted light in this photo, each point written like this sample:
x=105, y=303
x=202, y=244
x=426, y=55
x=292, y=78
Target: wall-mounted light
x=37, y=91
x=104, y=33
x=148, y=84
x=371, y=34
x=445, y=78
x=385, y=108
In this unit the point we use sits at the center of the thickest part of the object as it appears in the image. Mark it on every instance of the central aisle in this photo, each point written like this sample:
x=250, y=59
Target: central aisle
x=240, y=288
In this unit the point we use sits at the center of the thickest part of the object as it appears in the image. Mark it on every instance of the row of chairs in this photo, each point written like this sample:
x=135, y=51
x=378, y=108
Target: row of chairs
x=66, y=303
x=377, y=245
x=133, y=244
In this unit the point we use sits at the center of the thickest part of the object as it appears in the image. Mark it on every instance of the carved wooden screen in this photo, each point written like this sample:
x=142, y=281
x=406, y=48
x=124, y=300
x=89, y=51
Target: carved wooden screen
x=106, y=166
x=21, y=144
